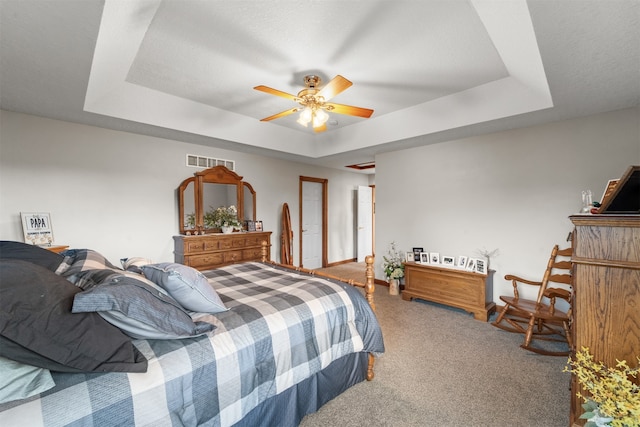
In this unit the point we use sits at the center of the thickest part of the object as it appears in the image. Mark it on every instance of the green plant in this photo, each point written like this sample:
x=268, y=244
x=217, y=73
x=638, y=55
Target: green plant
x=191, y=220
x=221, y=217
x=614, y=399
x=392, y=263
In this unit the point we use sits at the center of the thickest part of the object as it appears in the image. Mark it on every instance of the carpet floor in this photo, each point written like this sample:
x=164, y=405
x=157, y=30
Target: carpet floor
x=443, y=368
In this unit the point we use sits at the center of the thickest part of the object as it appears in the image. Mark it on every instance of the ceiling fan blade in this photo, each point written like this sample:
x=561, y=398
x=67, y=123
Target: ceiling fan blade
x=276, y=92
x=349, y=110
x=281, y=114
x=334, y=87
x=320, y=128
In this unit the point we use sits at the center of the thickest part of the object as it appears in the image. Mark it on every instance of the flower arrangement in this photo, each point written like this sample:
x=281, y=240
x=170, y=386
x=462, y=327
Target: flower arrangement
x=392, y=263
x=614, y=399
x=221, y=217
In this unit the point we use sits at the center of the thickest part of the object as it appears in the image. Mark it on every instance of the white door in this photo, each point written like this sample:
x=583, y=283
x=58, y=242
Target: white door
x=311, y=224
x=364, y=218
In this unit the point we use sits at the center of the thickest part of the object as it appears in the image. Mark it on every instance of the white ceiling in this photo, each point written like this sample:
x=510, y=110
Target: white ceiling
x=432, y=70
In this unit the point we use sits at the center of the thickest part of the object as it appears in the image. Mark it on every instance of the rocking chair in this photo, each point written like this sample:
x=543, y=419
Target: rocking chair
x=540, y=319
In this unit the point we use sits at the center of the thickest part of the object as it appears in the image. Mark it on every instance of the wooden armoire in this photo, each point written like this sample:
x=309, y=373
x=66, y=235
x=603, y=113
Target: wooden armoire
x=606, y=281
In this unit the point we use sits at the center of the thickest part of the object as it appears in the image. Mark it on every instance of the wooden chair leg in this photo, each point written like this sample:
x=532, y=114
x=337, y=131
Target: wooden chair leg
x=501, y=315
x=529, y=335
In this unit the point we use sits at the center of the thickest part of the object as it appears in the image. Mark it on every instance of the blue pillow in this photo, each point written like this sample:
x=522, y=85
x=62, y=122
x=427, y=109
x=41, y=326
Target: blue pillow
x=187, y=285
x=20, y=381
x=139, y=308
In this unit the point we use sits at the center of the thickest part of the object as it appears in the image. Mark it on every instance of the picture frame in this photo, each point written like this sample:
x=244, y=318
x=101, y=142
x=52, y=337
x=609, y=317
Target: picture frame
x=471, y=264
x=258, y=225
x=608, y=190
x=434, y=258
x=37, y=228
x=449, y=261
x=424, y=258
x=416, y=254
x=481, y=266
x=409, y=257
x=250, y=225
x=462, y=261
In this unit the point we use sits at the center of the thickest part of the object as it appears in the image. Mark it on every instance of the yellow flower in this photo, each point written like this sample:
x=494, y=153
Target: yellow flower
x=610, y=389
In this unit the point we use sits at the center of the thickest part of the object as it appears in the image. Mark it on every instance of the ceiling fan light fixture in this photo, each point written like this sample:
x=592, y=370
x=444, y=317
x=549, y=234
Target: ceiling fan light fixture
x=306, y=115
x=315, y=102
x=319, y=118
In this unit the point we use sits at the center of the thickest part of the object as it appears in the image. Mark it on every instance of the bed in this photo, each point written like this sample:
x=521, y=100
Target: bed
x=281, y=343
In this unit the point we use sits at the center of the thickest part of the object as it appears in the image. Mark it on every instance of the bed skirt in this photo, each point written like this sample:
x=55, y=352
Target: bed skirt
x=288, y=408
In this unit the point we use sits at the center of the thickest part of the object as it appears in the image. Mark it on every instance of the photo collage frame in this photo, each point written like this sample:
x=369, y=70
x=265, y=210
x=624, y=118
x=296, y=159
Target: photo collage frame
x=460, y=262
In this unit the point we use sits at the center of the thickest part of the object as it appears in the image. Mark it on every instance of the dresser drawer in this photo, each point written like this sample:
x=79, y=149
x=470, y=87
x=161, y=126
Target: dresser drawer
x=254, y=240
x=225, y=243
x=215, y=250
x=232, y=256
x=193, y=247
x=202, y=245
x=238, y=242
x=252, y=254
x=205, y=261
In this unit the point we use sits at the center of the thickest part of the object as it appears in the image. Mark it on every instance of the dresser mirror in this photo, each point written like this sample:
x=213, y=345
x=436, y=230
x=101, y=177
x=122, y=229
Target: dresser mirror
x=210, y=189
x=187, y=205
x=249, y=202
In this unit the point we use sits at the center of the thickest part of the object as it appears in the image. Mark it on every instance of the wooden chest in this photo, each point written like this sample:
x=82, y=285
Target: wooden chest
x=467, y=290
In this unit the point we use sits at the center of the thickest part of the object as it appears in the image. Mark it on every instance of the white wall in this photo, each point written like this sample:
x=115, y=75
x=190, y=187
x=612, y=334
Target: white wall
x=115, y=192
x=512, y=191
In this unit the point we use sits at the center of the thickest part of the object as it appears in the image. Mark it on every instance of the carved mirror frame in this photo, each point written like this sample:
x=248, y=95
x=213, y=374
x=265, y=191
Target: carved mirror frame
x=216, y=175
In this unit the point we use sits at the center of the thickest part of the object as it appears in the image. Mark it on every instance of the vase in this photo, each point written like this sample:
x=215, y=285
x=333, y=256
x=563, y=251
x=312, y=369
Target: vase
x=394, y=287
x=227, y=230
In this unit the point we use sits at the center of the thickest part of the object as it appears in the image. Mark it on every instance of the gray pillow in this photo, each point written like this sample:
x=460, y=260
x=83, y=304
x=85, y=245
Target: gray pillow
x=140, y=308
x=187, y=285
x=20, y=381
x=31, y=253
x=37, y=327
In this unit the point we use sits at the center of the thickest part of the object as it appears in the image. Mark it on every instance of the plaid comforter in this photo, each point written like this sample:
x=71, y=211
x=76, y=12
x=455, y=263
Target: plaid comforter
x=281, y=327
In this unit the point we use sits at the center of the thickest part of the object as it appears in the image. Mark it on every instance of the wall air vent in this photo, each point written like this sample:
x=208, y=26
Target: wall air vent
x=203, y=162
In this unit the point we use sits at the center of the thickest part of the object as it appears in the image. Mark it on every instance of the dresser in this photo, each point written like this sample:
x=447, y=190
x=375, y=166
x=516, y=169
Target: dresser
x=467, y=290
x=606, y=282
x=207, y=251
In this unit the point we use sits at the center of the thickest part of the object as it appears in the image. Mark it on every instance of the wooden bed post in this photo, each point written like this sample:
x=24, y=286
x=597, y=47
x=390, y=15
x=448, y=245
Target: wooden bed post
x=369, y=289
x=265, y=248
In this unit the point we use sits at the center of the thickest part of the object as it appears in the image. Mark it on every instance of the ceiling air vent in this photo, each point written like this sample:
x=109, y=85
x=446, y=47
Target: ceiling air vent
x=209, y=162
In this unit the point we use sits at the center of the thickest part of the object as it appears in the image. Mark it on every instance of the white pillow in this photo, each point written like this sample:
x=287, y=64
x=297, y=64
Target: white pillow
x=20, y=381
x=186, y=285
x=135, y=261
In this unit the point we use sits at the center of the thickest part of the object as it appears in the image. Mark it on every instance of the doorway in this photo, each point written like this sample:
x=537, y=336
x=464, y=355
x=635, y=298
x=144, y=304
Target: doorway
x=313, y=222
x=364, y=217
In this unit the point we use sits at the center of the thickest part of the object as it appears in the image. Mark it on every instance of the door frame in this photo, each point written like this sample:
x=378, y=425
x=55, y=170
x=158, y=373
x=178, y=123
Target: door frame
x=373, y=220
x=324, y=183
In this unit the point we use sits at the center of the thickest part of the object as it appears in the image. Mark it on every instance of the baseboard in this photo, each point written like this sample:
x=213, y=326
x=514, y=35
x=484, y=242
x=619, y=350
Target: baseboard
x=346, y=261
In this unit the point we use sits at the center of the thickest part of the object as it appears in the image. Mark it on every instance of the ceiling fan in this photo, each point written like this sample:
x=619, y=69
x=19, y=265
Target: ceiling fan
x=314, y=102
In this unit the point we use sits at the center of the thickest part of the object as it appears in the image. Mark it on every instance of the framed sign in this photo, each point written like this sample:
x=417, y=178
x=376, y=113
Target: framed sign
x=36, y=227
